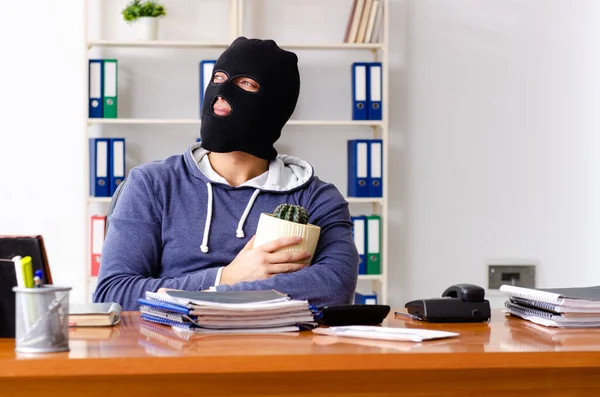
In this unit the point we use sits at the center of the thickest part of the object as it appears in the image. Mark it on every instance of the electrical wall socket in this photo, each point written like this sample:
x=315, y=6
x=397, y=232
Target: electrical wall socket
x=512, y=274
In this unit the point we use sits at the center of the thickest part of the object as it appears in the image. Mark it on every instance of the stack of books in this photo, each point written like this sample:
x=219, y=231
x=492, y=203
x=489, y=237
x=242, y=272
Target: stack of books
x=555, y=307
x=232, y=312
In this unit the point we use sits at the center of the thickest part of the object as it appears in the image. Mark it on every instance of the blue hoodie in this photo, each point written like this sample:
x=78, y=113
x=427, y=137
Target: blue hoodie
x=178, y=223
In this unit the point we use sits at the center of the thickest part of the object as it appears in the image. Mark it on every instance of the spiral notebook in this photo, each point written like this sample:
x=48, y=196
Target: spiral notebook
x=556, y=309
x=227, y=311
x=578, y=297
x=549, y=319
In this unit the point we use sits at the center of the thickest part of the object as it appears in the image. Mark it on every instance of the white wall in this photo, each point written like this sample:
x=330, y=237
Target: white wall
x=502, y=141
x=493, y=147
x=41, y=122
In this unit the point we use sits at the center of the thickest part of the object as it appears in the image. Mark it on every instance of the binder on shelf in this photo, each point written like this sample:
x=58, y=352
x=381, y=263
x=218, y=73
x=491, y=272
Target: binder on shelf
x=375, y=87
x=116, y=156
x=110, y=78
x=98, y=227
x=206, y=71
x=375, y=168
x=359, y=234
x=373, y=244
x=358, y=168
x=365, y=299
x=360, y=83
x=99, y=167
x=95, y=86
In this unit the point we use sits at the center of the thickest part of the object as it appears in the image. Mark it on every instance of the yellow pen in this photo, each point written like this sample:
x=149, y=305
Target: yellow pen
x=27, y=269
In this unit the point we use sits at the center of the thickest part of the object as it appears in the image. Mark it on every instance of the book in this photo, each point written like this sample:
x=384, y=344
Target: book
x=239, y=312
x=578, y=297
x=551, y=307
x=550, y=319
x=94, y=314
x=212, y=298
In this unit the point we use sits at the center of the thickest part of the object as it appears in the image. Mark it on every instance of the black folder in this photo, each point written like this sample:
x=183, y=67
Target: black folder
x=11, y=246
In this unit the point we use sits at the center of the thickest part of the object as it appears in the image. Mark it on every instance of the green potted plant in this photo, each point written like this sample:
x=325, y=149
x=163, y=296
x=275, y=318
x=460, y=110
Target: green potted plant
x=288, y=220
x=144, y=16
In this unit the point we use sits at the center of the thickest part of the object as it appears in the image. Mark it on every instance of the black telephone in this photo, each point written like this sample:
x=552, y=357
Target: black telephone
x=460, y=303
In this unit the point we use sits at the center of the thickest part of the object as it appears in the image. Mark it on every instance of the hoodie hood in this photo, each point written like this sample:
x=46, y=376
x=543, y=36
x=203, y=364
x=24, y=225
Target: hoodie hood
x=286, y=173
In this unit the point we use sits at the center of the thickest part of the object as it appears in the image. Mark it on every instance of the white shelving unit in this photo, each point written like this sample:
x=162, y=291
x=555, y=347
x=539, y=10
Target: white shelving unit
x=333, y=123
x=378, y=128
x=184, y=44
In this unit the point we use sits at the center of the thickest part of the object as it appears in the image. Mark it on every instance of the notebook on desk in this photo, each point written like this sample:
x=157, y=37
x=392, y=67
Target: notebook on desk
x=217, y=298
x=236, y=312
x=578, y=297
x=94, y=314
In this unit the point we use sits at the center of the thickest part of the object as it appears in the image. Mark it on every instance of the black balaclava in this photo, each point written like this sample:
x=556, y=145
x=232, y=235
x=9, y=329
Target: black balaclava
x=256, y=118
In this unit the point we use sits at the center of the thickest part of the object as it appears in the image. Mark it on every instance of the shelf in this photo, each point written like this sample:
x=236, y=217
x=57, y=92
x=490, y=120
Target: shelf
x=156, y=44
x=365, y=200
x=340, y=123
x=366, y=123
x=143, y=121
x=99, y=200
x=366, y=277
x=372, y=277
x=356, y=200
x=200, y=44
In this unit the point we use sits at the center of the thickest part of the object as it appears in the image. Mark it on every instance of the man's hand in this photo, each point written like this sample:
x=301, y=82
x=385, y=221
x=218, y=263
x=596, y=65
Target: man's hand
x=258, y=263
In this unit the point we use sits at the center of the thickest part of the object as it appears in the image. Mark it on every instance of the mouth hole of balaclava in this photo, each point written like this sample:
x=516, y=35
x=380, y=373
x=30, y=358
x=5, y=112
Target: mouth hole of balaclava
x=221, y=107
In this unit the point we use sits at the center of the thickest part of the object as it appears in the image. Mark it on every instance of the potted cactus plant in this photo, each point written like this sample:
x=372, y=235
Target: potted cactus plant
x=144, y=16
x=288, y=220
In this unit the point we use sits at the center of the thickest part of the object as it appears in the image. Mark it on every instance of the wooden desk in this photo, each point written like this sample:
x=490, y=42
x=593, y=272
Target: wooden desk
x=140, y=359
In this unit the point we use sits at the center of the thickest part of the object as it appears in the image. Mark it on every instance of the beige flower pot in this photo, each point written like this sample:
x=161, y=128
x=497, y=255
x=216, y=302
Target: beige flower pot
x=270, y=228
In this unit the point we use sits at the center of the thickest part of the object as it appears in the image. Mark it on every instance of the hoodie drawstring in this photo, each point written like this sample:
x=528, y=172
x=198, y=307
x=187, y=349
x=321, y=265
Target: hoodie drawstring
x=239, y=233
x=204, y=246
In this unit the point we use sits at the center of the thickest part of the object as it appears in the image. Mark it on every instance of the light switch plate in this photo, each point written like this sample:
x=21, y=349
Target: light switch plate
x=517, y=275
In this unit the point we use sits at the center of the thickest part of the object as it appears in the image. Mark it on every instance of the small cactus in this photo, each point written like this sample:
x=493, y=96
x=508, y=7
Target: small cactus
x=292, y=213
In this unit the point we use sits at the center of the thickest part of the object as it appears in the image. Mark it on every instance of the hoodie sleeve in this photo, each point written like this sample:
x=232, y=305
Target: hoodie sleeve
x=131, y=253
x=332, y=277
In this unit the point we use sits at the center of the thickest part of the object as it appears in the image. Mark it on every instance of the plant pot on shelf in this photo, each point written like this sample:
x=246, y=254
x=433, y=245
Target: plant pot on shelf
x=146, y=28
x=271, y=228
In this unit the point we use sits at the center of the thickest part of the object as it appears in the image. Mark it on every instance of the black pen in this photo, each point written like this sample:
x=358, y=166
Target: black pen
x=411, y=316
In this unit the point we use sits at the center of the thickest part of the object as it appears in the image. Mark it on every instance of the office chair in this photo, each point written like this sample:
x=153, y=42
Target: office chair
x=113, y=203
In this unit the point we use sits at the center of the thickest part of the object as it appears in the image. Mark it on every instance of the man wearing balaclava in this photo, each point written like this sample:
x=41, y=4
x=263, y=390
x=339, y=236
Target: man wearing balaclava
x=187, y=222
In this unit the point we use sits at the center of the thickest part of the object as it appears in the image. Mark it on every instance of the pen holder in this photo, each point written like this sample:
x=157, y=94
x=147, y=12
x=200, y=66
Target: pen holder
x=42, y=319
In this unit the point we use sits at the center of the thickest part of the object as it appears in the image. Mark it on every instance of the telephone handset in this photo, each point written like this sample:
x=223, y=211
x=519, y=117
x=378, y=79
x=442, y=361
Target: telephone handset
x=460, y=303
x=466, y=292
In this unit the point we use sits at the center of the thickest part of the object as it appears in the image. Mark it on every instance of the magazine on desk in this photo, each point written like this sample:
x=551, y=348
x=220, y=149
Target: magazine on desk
x=234, y=312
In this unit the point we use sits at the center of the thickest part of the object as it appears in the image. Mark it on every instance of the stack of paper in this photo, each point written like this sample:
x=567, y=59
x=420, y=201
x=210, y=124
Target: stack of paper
x=385, y=333
x=239, y=312
x=555, y=307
